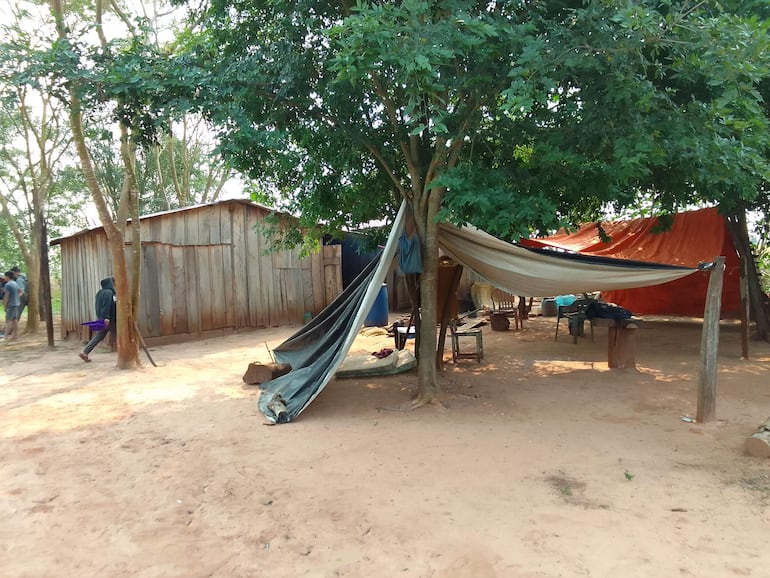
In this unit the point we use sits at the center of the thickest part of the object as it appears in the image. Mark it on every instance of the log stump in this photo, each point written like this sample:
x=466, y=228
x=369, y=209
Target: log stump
x=261, y=372
x=499, y=322
x=758, y=445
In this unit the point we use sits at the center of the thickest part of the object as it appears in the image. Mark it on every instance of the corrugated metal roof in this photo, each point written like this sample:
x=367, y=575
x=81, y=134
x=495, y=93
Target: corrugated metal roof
x=247, y=202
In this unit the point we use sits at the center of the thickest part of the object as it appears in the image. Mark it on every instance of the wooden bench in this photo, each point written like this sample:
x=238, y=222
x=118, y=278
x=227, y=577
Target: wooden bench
x=621, y=341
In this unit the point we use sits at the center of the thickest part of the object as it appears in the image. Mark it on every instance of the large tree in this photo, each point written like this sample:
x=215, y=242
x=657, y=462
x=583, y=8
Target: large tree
x=179, y=168
x=512, y=115
x=134, y=80
x=34, y=147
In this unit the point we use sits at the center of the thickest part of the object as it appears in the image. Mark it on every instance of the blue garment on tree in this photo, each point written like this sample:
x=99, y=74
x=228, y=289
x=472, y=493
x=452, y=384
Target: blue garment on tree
x=409, y=254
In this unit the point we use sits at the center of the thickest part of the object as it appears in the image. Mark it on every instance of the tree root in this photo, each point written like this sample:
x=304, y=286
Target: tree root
x=417, y=403
x=422, y=401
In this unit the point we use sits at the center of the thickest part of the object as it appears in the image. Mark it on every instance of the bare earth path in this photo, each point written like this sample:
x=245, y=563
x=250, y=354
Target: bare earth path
x=544, y=463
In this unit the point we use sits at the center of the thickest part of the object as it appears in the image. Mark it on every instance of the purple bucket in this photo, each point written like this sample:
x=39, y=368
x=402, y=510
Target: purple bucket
x=97, y=325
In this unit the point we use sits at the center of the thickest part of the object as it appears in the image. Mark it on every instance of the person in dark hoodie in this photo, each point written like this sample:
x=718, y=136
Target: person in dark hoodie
x=106, y=311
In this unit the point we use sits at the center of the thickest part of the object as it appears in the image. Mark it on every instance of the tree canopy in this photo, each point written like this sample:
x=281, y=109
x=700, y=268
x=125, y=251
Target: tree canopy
x=552, y=109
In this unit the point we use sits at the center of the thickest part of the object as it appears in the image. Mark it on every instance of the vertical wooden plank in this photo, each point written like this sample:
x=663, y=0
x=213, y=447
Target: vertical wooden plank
x=285, y=302
x=277, y=292
x=241, y=266
x=164, y=273
x=204, y=225
x=193, y=292
x=228, y=273
x=709, y=348
x=177, y=234
x=228, y=290
x=180, y=323
x=164, y=233
x=226, y=222
x=220, y=287
x=332, y=272
x=205, y=287
x=268, y=299
x=149, y=314
x=308, y=293
x=192, y=234
x=297, y=303
x=214, y=218
x=317, y=282
x=295, y=299
x=279, y=312
x=258, y=305
x=152, y=229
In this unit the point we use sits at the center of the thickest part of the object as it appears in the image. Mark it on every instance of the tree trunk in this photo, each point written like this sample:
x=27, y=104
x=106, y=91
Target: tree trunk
x=128, y=340
x=428, y=389
x=128, y=343
x=45, y=283
x=32, y=264
x=736, y=225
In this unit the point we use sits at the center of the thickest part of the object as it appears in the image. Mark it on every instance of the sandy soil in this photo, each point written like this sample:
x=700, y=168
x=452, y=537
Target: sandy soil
x=544, y=463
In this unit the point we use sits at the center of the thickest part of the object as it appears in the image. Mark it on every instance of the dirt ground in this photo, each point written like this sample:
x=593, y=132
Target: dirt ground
x=543, y=463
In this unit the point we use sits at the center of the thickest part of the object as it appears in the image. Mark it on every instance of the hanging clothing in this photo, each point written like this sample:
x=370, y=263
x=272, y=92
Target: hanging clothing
x=409, y=254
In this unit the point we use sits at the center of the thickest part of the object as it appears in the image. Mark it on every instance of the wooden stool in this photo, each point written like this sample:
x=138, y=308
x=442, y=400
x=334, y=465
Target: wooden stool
x=456, y=333
x=621, y=341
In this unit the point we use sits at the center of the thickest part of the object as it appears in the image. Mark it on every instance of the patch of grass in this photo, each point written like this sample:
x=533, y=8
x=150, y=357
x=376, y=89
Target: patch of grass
x=56, y=301
x=569, y=488
x=759, y=484
x=572, y=491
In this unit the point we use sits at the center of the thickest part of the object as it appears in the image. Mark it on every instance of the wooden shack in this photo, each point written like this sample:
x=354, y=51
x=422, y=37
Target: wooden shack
x=205, y=270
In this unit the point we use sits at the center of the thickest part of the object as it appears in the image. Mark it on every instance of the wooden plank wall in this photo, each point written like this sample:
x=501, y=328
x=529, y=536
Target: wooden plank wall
x=86, y=260
x=203, y=269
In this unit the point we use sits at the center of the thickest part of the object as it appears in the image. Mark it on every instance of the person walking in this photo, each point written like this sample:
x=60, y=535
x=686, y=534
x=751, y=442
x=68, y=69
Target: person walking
x=21, y=282
x=12, y=302
x=106, y=311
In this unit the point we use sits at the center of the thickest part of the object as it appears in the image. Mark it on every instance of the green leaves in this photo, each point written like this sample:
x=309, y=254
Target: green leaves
x=523, y=116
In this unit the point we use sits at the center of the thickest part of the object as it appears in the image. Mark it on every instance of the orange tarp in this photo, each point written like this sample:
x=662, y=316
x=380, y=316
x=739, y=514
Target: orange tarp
x=694, y=237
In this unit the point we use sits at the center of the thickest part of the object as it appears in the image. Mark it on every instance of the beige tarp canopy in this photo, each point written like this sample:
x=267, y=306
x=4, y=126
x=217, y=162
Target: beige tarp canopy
x=542, y=273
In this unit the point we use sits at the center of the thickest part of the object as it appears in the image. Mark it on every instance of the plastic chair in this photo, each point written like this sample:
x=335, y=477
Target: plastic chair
x=575, y=315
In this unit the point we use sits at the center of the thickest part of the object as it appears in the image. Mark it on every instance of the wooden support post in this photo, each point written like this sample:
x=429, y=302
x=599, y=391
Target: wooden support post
x=744, y=284
x=621, y=347
x=621, y=340
x=446, y=293
x=709, y=345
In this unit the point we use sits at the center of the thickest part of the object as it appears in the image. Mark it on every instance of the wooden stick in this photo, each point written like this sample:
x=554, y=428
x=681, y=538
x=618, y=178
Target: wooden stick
x=270, y=353
x=143, y=344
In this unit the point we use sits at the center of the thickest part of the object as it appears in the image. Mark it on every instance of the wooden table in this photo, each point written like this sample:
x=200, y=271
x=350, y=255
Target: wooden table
x=621, y=341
